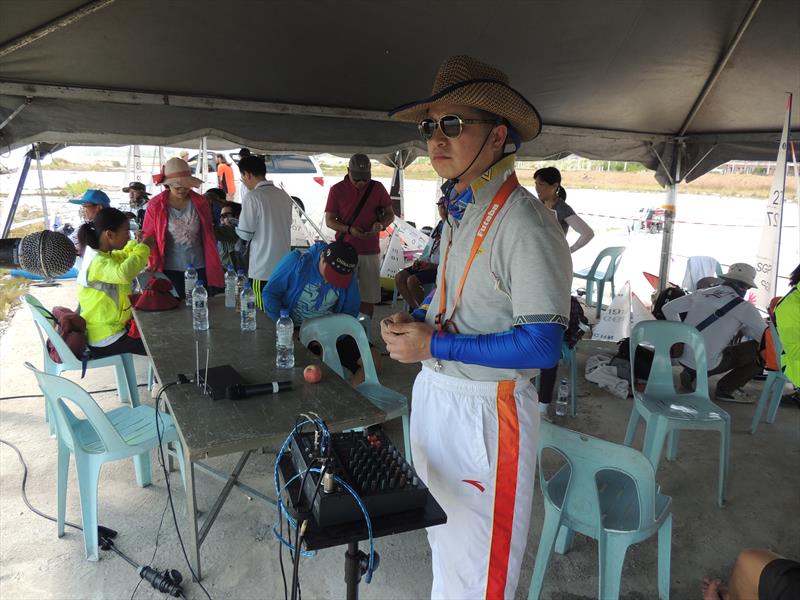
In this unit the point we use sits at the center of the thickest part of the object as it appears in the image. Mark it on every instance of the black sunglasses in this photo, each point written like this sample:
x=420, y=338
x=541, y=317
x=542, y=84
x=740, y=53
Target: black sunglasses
x=451, y=125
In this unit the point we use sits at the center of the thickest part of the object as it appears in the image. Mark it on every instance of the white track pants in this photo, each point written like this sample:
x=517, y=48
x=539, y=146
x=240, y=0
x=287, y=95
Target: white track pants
x=474, y=445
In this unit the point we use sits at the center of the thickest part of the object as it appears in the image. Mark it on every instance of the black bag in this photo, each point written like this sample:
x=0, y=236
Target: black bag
x=578, y=323
x=643, y=363
x=667, y=295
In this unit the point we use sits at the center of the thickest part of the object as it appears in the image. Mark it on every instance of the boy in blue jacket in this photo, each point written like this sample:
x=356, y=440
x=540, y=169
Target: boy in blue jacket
x=314, y=284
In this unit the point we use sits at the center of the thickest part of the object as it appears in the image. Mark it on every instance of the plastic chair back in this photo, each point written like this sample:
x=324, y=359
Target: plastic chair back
x=588, y=460
x=326, y=330
x=776, y=343
x=55, y=390
x=663, y=335
x=614, y=254
x=47, y=331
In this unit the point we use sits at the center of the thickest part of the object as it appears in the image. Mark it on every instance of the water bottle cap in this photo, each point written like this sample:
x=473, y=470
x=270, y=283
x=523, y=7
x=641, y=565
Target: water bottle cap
x=284, y=312
x=564, y=380
x=240, y=271
x=199, y=283
x=189, y=266
x=247, y=285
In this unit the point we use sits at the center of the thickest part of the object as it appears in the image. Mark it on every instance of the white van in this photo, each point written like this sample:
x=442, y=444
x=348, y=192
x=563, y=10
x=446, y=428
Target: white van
x=299, y=175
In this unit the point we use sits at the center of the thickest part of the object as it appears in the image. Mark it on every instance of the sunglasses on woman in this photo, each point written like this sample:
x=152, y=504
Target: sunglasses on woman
x=451, y=125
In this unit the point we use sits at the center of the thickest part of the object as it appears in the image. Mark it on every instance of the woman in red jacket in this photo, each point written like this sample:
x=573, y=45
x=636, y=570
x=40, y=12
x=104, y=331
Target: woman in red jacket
x=180, y=221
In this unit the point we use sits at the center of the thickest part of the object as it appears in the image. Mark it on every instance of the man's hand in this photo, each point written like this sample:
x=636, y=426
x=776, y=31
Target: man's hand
x=359, y=233
x=407, y=341
x=377, y=227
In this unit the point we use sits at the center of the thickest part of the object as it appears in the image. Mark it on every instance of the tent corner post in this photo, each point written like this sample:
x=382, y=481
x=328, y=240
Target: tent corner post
x=669, y=214
x=23, y=175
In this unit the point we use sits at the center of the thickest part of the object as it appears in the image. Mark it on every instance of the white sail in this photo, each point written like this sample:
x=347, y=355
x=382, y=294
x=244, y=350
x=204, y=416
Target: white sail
x=769, y=248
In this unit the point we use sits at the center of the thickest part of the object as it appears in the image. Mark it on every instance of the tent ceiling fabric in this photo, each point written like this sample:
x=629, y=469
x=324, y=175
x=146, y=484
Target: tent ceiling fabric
x=612, y=80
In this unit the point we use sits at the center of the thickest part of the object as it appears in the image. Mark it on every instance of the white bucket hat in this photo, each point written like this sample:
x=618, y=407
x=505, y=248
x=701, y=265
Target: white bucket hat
x=743, y=273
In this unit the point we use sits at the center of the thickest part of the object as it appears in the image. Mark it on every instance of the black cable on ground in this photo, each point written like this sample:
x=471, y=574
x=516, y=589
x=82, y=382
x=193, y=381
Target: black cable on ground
x=105, y=535
x=155, y=547
x=169, y=489
x=42, y=396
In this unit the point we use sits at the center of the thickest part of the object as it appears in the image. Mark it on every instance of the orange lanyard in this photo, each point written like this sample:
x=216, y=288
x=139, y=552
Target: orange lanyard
x=489, y=216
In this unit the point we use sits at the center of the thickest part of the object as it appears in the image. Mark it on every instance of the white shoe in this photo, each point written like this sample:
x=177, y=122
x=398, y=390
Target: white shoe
x=738, y=396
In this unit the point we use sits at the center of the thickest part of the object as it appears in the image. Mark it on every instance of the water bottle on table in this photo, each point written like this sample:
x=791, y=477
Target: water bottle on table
x=199, y=307
x=189, y=281
x=248, y=314
x=240, y=281
x=563, y=396
x=284, y=341
x=230, y=287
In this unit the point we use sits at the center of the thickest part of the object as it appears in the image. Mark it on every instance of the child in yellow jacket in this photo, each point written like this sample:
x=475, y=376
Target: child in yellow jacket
x=104, y=296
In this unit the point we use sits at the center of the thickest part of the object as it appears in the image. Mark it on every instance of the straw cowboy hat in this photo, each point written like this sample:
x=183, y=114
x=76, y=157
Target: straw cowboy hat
x=467, y=81
x=176, y=171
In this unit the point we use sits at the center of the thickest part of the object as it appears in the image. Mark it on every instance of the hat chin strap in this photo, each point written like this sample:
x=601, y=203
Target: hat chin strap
x=455, y=180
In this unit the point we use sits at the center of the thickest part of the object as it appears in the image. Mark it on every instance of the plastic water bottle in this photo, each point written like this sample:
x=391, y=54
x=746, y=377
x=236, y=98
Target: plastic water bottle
x=284, y=341
x=240, y=281
x=189, y=281
x=230, y=287
x=561, y=401
x=248, y=314
x=199, y=307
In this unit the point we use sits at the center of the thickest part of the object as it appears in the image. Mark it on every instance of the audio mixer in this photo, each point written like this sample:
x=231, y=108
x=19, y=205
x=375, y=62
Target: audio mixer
x=369, y=463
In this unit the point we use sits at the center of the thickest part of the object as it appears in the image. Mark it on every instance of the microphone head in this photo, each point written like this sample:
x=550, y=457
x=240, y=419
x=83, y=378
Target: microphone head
x=47, y=253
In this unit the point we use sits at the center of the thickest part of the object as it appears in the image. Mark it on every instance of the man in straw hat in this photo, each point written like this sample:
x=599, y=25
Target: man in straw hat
x=499, y=312
x=720, y=313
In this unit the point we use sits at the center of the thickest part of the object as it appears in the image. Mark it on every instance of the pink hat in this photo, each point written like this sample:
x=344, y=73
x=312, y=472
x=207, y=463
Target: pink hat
x=176, y=171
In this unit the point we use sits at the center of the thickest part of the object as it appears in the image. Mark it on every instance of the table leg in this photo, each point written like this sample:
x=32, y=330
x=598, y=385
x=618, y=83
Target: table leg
x=223, y=495
x=191, y=513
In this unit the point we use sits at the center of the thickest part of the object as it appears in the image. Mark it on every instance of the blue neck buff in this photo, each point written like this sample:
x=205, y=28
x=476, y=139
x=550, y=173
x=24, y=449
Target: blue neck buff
x=456, y=203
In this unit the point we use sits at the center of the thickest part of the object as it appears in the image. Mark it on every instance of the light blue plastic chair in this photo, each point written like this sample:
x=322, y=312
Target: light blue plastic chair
x=596, y=277
x=123, y=363
x=100, y=438
x=773, y=387
x=604, y=491
x=665, y=410
x=325, y=331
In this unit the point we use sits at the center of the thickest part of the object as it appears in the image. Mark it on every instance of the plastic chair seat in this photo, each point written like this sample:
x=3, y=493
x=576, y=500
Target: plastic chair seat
x=686, y=407
x=618, y=499
x=134, y=425
x=583, y=273
x=393, y=403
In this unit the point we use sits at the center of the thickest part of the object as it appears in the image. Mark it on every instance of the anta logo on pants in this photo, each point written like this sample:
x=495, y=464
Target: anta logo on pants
x=477, y=484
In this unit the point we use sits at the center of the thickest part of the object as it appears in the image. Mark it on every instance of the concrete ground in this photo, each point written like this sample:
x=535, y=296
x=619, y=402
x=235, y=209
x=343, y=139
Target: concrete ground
x=240, y=556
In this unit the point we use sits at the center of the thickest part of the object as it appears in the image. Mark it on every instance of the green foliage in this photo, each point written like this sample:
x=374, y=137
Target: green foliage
x=75, y=189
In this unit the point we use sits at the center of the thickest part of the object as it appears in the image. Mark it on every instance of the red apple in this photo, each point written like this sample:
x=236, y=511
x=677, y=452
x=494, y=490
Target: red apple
x=312, y=374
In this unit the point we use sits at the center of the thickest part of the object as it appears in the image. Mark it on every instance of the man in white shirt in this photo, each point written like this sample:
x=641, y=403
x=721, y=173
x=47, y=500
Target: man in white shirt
x=740, y=361
x=266, y=222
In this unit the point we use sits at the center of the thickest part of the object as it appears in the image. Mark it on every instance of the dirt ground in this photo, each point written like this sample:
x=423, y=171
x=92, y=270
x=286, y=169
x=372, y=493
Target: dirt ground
x=241, y=555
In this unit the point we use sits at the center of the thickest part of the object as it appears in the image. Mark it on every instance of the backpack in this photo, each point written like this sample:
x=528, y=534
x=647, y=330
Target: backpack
x=667, y=295
x=72, y=329
x=578, y=323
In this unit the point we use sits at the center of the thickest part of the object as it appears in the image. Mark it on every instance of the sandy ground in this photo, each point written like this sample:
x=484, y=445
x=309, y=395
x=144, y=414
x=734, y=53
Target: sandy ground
x=240, y=554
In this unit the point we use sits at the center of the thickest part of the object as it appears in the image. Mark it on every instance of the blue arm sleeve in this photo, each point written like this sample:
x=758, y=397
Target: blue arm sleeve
x=352, y=301
x=275, y=290
x=534, y=346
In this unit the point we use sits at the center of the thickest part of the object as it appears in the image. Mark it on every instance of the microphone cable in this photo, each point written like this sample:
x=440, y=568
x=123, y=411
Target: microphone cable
x=167, y=582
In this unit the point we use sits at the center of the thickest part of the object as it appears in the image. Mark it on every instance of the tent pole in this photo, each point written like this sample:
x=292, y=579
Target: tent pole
x=669, y=216
x=398, y=184
x=12, y=210
x=203, y=166
x=41, y=188
x=54, y=25
x=15, y=113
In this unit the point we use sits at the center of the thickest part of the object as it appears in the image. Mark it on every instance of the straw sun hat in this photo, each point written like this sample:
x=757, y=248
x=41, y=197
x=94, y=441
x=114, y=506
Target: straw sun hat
x=176, y=171
x=467, y=81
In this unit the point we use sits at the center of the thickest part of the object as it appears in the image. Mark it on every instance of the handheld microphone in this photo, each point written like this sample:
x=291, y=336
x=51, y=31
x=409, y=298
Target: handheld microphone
x=46, y=253
x=238, y=391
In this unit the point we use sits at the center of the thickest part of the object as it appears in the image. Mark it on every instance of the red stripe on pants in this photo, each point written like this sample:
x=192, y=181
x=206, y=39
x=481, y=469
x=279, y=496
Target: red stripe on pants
x=505, y=490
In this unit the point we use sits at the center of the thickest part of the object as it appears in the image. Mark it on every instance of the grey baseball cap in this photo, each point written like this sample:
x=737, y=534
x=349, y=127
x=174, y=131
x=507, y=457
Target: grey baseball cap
x=360, y=167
